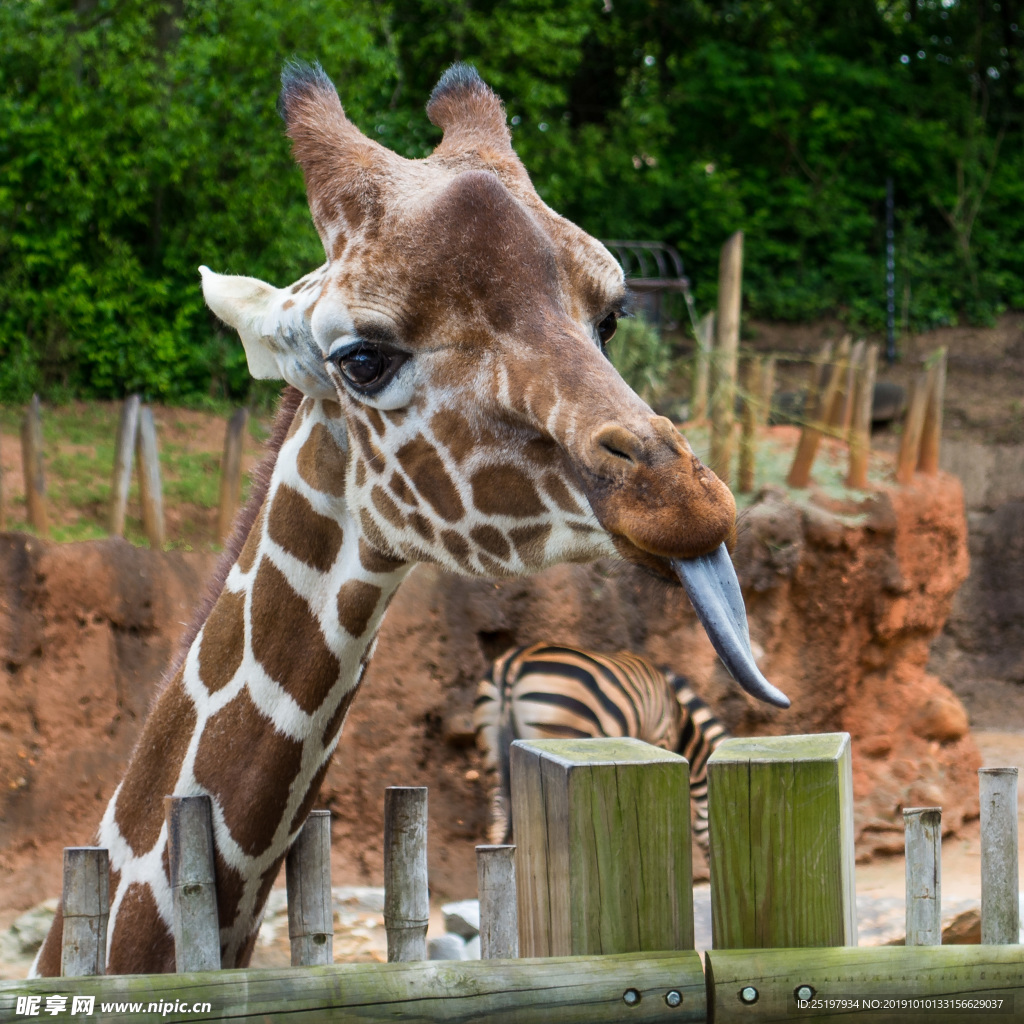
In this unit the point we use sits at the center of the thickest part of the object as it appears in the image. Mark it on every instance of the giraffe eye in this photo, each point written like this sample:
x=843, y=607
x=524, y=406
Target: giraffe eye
x=367, y=368
x=606, y=328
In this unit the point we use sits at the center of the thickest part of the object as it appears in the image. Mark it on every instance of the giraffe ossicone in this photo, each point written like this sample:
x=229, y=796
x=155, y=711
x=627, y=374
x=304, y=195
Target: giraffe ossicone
x=449, y=401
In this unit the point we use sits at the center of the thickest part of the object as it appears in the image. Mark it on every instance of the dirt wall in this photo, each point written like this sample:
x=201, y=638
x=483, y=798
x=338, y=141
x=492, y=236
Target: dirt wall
x=845, y=601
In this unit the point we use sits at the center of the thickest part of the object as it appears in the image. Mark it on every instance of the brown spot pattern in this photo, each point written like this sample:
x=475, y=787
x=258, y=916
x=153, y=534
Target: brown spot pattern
x=338, y=718
x=332, y=410
x=457, y=546
x=452, y=430
x=395, y=416
x=505, y=490
x=371, y=452
x=491, y=540
x=530, y=541
x=155, y=766
x=230, y=889
x=400, y=489
x=138, y=918
x=375, y=418
x=252, y=543
x=560, y=494
x=283, y=623
x=223, y=643
x=386, y=507
x=357, y=601
x=321, y=463
x=360, y=473
x=427, y=472
x=490, y=566
x=309, y=799
x=249, y=767
x=421, y=524
x=302, y=531
x=373, y=560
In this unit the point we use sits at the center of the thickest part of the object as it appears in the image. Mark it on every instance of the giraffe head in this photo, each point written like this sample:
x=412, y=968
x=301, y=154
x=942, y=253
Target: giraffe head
x=457, y=332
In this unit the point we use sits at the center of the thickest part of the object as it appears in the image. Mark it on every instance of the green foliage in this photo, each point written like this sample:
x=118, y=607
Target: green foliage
x=138, y=140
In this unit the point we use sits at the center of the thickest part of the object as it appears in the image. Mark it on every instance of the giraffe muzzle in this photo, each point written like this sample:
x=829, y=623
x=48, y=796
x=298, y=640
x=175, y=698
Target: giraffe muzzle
x=714, y=591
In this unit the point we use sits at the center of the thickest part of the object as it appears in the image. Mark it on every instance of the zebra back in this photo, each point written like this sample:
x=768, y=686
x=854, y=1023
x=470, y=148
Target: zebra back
x=544, y=691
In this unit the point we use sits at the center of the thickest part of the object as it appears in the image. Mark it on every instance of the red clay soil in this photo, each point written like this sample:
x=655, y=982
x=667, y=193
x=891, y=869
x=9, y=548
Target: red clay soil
x=844, y=599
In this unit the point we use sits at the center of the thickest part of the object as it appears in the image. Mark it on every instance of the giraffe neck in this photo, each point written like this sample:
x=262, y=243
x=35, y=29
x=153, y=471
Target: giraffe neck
x=253, y=714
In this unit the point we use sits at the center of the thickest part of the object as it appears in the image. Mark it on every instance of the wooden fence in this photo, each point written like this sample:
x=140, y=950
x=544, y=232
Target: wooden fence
x=136, y=443
x=598, y=900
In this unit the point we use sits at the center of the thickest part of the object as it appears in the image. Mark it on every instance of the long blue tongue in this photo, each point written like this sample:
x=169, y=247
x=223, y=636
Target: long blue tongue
x=714, y=591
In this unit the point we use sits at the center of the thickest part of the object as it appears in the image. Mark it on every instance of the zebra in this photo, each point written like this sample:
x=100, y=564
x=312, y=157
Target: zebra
x=544, y=691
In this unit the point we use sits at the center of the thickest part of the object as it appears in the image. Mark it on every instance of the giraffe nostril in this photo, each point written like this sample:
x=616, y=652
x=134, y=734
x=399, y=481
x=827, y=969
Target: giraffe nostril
x=618, y=442
x=617, y=452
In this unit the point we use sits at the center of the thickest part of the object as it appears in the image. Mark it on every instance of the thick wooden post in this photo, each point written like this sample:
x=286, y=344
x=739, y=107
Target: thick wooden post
x=193, y=889
x=701, y=366
x=32, y=467
x=406, y=897
x=850, y=388
x=931, y=432
x=860, y=429
x=86, y=903
x=496, y=888
x=781, y=816
x=923, y=844
x=723, y=363
x=818, y=414
x=231, y=472
x=310, y=904
x=602, y=847
x=124, y=454
x=1000, y=910
x=150, y=488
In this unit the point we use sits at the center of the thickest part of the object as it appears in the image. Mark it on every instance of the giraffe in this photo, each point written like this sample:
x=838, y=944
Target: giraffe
x=448, y=401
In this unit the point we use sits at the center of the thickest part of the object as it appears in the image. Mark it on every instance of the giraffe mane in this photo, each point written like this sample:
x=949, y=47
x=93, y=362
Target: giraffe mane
x=288, y=405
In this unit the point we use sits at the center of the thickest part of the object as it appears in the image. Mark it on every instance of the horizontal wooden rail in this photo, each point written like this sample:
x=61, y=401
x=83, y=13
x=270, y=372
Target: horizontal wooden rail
x=763, y=985
x=647, y=987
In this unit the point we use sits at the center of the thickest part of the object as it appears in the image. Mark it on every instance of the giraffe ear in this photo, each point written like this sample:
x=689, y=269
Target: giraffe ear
x=279, y=344
x=469, y=112
x=336, y=158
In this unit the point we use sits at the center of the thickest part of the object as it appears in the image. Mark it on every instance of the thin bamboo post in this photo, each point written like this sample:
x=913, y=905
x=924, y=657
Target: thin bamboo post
x=923, y=843
x=701, y=366
x=310, y=904
x=781, y=816
x=723, y=365
x=32, y=466
x=603, y=862
x=910, y=443
x=150, y=488
x=193, y=889
x=406, y=897
x=748, y=435
x=85, y=906
x=767, y=389
x=231, y=472
x=811, y=434
x=124, y=454
x=833, y=414
x=860, y=431
x=850, y=388
x=931, y=433
x=496, y=887
x=1000, y=909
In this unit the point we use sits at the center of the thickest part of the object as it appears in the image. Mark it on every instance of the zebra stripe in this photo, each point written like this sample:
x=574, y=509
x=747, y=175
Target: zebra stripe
x=549, y=692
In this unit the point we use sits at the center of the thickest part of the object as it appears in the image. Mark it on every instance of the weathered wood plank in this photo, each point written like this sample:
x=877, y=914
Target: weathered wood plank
x=603, y=860
x=931, y=432
x=193, y=888
x=923, y=843
x=1000, y=909
x=85, y=906
x=642, y=988
x=231, y=472
x=913, y=426
x=781, y=817
x=496, y=888
x=124, y=457
x=406, y=896
x=813, y=431
x=860, y=429
x=724, y=357
x=773, y=978
x=151, y=494
x=310, y=904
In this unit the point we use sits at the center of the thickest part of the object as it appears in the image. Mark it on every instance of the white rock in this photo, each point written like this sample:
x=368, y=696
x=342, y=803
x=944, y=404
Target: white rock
x=462, y=918
x=472, y=949
x=446, y=947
